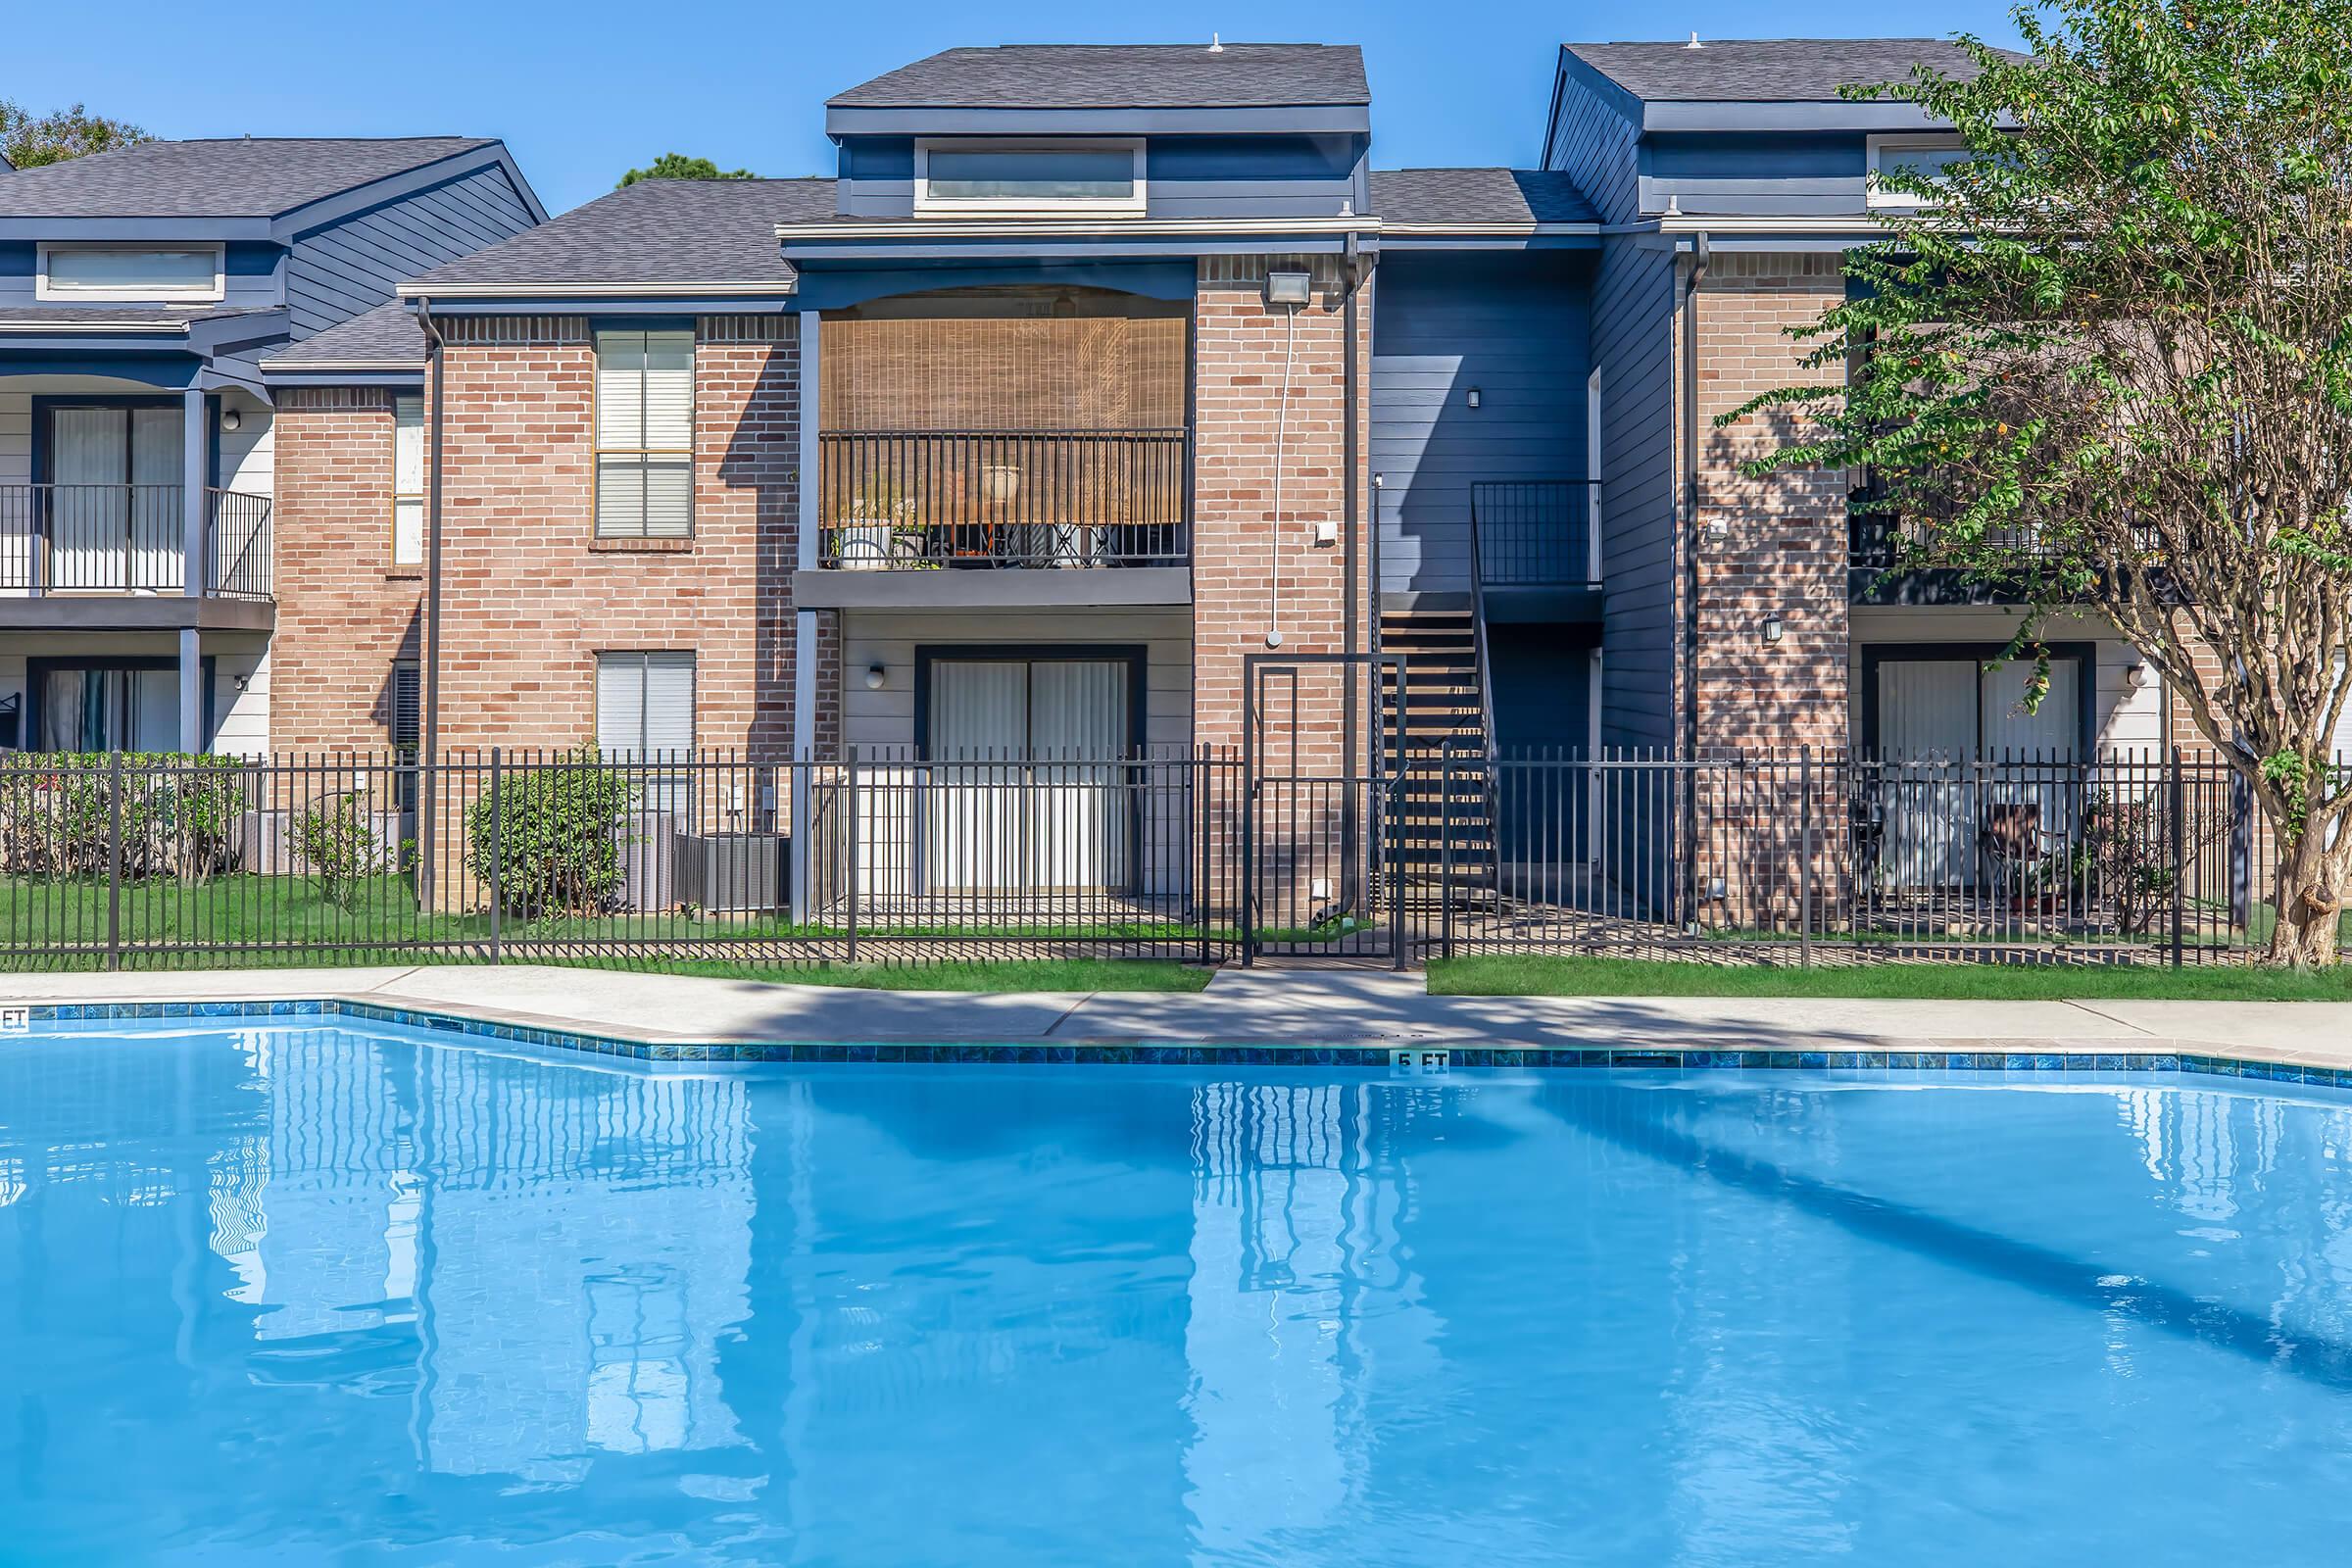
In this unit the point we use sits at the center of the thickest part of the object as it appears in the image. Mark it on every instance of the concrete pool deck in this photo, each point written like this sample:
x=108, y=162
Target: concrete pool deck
x=1267, y=1007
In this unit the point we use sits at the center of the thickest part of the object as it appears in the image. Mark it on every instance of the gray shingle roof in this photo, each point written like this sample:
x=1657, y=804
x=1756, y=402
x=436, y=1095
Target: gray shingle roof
x=655, y=231
x=1477, y=196
x=243, y=177
x=386, y=335
x=1766, y=69
x=1238, y=76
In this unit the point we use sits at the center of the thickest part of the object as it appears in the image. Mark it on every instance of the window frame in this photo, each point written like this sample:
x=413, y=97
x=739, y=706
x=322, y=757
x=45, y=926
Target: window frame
x=424, y=461
x=688, y=658
x=1879, y=144
x=598, y=451
x=926, y=205
x=211, y=294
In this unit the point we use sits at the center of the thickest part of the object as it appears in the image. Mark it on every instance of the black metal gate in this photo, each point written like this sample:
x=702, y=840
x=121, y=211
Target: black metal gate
x=1323, y=834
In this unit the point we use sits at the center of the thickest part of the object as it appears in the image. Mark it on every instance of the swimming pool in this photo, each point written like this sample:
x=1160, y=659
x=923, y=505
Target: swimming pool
x=272, y=1292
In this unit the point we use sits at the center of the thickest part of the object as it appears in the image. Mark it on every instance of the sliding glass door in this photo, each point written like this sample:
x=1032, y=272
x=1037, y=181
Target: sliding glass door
x=115, y=513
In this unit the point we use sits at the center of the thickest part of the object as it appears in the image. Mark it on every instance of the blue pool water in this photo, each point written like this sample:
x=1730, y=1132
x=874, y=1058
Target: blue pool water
x=318, y=1292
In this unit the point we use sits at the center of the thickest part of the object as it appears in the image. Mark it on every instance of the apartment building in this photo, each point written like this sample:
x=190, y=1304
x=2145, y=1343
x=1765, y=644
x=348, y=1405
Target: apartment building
x=139, y=291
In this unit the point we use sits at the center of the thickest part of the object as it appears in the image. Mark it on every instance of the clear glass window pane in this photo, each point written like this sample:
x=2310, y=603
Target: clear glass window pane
x=114, y=269
x=1031, y=173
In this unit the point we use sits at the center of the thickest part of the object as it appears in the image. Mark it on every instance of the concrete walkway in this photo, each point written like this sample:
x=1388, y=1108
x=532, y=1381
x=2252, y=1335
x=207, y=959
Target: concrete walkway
x=1247, y=1007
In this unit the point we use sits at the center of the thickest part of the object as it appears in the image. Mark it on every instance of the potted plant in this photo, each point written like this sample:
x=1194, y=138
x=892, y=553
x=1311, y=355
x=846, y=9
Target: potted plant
x=875, y=535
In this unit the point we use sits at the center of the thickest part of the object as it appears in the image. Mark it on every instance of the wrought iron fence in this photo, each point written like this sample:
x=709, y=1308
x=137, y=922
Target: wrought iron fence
x=907, y=500
x=900, y=860
x=2127, y=857
x=128, y=539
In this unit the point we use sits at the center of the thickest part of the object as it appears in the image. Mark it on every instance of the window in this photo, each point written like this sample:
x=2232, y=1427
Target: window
x=188, y=274
x=645, y=434
x=1911, y=155
x=97, y=705
x=644, y=704
x=408, y=481
x=404, y=703
x=1043, y=176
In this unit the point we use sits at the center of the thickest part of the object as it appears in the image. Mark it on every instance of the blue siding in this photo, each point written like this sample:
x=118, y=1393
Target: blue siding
x=352, y=265
x=1633, y=348
x=1513, y=325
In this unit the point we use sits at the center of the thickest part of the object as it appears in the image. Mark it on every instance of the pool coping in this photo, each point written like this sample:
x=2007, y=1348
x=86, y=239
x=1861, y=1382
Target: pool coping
x=2072, y=1060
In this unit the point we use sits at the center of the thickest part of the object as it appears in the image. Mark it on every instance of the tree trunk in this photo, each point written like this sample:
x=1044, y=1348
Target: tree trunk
x=2309, y=894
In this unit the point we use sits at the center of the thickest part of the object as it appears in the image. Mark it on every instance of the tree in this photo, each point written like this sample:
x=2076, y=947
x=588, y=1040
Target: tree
x=28, y=140
x=2106, y=362
x=677, y=166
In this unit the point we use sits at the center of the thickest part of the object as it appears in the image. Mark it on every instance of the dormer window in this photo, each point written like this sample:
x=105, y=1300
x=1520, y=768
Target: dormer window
x=1928, y=155
x=146, y=273
x=964, y=176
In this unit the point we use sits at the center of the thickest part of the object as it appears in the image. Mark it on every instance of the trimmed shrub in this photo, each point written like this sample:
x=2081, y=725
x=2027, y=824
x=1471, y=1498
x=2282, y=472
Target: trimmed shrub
x=556, y=847
x=182, y=813
x=338, y=847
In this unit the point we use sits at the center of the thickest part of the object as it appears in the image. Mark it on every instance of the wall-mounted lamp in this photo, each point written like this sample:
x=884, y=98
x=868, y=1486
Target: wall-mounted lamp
x=1771, y=628
x=2141, y=674
x=240, y=682
x=231, y=419
x=1292, y=290
x=874, y=678
x=1474, y=398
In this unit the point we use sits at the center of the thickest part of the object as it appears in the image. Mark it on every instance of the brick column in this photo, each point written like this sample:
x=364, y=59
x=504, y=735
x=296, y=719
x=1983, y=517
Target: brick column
x=1766, y=548
x=1237, y=352
x=344, y=611
x=1764, y=551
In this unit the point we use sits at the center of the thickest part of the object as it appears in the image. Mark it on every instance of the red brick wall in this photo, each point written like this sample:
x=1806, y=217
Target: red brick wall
x=1766, y=548
x=530, y=595
x=344, y=611
x=1238, y=371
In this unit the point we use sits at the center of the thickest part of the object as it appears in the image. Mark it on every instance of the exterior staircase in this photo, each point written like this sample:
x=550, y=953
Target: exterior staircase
x=1444, y=707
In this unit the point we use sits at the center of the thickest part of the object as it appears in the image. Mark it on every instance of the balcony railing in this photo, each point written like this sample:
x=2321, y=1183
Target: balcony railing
x=907, y=500
x=1533, y=533
x=128, y=539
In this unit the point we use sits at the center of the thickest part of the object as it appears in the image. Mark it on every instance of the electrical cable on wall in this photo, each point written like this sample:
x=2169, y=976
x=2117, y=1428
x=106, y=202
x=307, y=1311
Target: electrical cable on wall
x=1282, y=427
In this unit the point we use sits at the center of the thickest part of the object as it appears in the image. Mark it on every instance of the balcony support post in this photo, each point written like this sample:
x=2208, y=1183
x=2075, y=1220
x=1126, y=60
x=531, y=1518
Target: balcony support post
x=194, y=448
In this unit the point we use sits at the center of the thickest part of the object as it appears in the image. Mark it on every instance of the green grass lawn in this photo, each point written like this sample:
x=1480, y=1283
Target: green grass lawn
x=1529, y=976
x=286, y=922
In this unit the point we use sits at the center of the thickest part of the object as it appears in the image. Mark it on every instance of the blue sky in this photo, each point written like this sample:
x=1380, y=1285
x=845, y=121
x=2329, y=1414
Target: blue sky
x=581, y=91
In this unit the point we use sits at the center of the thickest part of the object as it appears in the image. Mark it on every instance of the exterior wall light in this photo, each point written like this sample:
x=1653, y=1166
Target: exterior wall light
x=231, y=419
x=1292, y=290
x=875, y=675
x=1771, y=628
x=1473, y=398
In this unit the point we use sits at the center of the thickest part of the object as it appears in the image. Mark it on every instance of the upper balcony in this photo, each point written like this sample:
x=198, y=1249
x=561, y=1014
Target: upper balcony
x=1533, y=552
x=1002, y=447
x=112, y=557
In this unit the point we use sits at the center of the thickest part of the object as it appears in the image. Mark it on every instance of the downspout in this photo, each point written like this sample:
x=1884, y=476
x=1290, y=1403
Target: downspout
x=425, y=809
x=1686, y=538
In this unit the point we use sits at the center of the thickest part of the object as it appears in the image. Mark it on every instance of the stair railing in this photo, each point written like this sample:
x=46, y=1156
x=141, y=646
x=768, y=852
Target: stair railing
x=1489, y=774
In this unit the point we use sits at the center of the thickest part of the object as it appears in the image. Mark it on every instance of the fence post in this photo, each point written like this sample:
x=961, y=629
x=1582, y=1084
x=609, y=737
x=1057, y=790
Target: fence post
x=1392, y=816
x=1445, y=849
x=2180, y=826
x=113, y=860
x=848, y=756
x=1804, y=856
x=498, y=854
x=1200, y=890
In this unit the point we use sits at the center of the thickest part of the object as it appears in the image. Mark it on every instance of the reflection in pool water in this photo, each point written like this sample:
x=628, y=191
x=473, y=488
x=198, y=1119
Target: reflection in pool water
x=279, y=1293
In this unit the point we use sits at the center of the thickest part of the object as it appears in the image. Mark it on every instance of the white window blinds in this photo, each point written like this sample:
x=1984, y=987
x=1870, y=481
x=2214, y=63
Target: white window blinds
x=408, y=481
x=645, y=433
x=644, y=704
